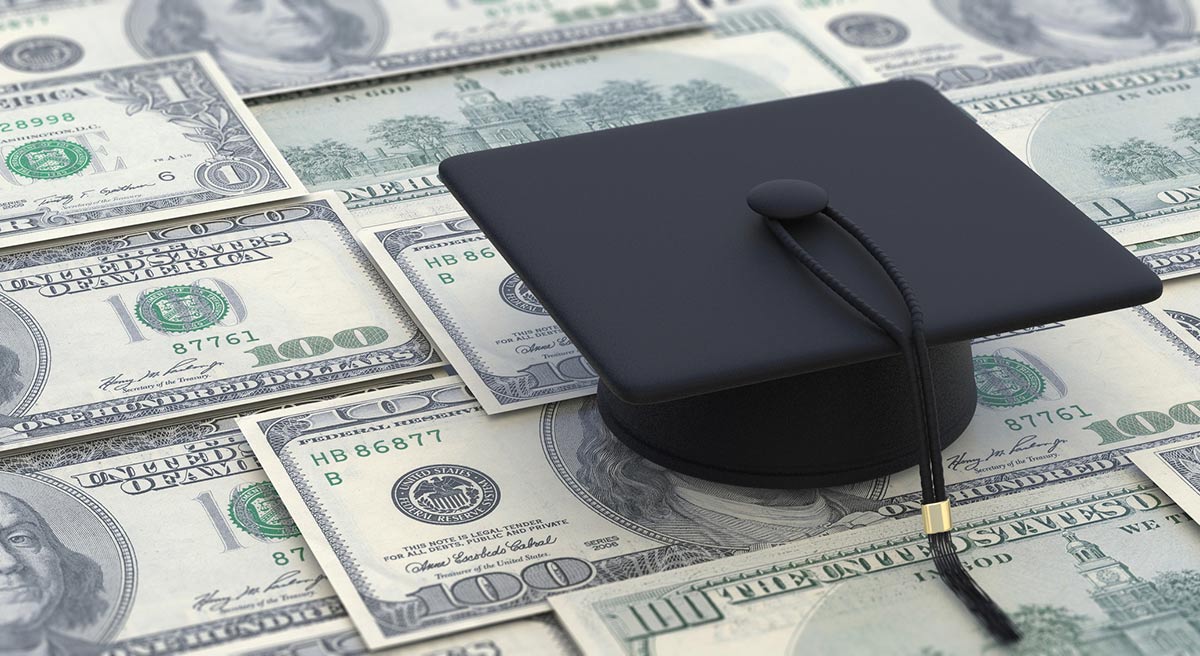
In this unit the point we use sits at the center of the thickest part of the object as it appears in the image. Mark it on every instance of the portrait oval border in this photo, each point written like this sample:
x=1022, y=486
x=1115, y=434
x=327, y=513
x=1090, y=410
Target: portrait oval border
x=42, y=369
x=128, y=560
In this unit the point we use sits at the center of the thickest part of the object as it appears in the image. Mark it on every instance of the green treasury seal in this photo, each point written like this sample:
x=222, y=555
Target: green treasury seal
x=181, y=308
x=1005, y=382
x=257, y=509
x=48, y=159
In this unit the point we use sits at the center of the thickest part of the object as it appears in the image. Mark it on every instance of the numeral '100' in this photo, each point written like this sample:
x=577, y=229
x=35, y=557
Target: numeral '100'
x=497, y=587
x=314, y=345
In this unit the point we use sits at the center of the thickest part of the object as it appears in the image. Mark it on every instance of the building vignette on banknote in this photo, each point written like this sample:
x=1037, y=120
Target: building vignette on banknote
x=193, y=96
x=331, y=372
x=389, y=185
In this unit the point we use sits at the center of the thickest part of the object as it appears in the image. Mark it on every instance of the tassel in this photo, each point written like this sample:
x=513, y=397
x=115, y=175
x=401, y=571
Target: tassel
x=945, y=558
x=936, y=508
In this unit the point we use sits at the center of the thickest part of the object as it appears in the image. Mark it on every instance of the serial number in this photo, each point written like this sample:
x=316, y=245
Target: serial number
x=36, y=122
x=216, y=341
x=1046, y=417
x=399, y=443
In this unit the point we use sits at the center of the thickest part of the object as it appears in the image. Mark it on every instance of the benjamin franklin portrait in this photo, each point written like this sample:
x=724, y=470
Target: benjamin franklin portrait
x=686, y=508
x=264, y=44
x=1075, y=30
x=54, y=599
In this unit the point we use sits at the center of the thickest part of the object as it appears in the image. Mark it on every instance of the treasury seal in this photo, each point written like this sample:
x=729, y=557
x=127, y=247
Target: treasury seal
x=1005, y=382
x=181, y=308
x=516, y=293
x=868, y=30
x=41, y=54
x=48, y=159
x=257, y=509
x=445, y=494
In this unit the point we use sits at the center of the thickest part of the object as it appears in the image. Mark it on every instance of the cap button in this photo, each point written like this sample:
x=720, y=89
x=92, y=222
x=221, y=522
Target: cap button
x=787, y=199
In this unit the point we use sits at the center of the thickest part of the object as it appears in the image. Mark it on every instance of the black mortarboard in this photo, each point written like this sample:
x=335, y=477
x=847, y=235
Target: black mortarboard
x=725, y=342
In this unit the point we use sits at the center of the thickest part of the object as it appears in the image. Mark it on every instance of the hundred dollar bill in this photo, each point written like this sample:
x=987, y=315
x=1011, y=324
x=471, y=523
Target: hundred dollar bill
x=1106, y=565
x=951, y=44
x=165, y=541
x=382, y=142
x=538, y=636
x=431, y=517
x=1121, y=141
x=193, y=316
x=270, y=46
x=477, y=311
x=129, y=145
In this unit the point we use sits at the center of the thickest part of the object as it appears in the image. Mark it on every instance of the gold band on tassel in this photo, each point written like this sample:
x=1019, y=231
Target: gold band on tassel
x=937, y=517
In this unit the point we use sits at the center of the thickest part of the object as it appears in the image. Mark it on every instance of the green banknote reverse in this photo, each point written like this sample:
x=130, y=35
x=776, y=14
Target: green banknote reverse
x=1121, y=141
x=431, y=517
x=1106, y=565
x=192, y=316
x=126, y=146
x=381, y=142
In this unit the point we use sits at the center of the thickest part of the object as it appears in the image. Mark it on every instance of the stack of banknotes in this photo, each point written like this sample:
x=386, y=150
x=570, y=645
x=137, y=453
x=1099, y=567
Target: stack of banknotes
x=265, y=388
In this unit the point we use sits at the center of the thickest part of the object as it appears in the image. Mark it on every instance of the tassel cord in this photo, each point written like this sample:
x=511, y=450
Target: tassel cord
x=915, y=350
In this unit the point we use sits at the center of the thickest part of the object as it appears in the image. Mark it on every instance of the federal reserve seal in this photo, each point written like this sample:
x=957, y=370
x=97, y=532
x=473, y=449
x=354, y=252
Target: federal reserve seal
x=181, y=308
x=41, y=54
x=445, y=494
x=48, y=159
x=868, y=30
x=257, y=509
x=1006, y=382
x=516, y=293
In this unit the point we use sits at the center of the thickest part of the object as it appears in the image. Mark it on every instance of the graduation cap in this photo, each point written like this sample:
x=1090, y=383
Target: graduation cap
x=784, y=294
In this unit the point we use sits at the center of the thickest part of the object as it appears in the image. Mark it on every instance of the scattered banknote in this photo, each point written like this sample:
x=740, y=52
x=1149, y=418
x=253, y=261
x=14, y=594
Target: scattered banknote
x=431, y=517
x=126, y=146
x=193, y=316
x=538, y=636
x=951, y=44
x=382, y=141
x=268, y=46
x=1104, y=565
x=163, y=541
x=477, y=311
x=1121, y=141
